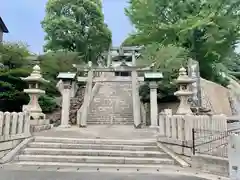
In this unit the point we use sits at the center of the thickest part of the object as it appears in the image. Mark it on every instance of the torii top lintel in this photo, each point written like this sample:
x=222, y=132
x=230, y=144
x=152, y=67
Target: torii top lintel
x=113, y=69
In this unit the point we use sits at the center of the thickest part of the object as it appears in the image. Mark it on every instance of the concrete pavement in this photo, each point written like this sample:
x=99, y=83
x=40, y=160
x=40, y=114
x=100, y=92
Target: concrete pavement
x=51, y=175
x=101, y=132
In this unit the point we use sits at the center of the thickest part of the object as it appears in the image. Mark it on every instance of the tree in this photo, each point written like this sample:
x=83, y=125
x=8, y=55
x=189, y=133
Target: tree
x=54, y=62
x=78, y=26
x=16, y=64
x=13, y=55
x=209, y=30
x=168, y=59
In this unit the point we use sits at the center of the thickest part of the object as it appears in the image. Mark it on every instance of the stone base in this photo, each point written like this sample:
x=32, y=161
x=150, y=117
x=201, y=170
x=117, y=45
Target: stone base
x=64, y=126
x=39, y=122
x=82, y=126
x=39, y=128
x=154, y=128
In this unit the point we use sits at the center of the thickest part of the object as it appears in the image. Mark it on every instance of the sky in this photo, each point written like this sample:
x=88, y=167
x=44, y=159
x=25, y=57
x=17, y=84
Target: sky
x=23, y=18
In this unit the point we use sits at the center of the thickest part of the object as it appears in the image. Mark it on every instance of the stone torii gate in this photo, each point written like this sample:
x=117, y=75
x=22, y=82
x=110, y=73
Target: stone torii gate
x=134, y=79
x=122, y=51
x=82, y=114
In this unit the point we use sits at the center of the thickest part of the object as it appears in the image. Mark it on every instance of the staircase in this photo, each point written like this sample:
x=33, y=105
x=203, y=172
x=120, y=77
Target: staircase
x=92, y=153
x=112, y=104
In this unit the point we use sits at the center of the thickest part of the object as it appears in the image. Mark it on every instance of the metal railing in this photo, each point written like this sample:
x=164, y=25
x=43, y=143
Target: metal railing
x=210, y=142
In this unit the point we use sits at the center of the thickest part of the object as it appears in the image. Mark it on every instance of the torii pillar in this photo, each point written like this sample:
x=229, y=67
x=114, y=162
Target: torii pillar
x=135, y=95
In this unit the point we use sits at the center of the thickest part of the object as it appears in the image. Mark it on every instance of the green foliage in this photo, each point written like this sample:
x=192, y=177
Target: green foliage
x=233, y=62
x=209, y=30
x=61, y=61
x=47, y=103
x=168, y=60
x=13, y=55
x=132, y=40
x=17, y=65
x=54, y=62
x=78, y=26
x=12, y=96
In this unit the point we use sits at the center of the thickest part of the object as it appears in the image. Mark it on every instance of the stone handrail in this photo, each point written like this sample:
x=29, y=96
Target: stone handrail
x=179, y=127
x=14, y=126
x=94, y=92
x=14, y=129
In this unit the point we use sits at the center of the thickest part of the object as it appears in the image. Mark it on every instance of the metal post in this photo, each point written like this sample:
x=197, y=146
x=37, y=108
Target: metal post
x=193, y=141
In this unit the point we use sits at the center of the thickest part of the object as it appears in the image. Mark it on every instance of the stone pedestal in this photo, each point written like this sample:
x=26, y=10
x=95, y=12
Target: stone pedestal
x=33, y=106
x=66, y=96
x=153, y=104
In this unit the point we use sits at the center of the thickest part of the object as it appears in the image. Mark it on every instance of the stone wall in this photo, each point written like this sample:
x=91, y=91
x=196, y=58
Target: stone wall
x=215, y=97
x=234, y=91
x=14, y=127
x=218, y=102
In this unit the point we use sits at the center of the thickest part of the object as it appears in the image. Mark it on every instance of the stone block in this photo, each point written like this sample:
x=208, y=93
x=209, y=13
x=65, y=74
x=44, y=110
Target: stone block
x=39, y=122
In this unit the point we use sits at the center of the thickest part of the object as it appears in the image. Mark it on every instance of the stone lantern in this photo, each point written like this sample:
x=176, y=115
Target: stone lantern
x=34, y=93
x=184, y=92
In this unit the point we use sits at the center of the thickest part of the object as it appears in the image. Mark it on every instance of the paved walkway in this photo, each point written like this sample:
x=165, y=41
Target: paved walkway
x=50, y=175
x=101, y=132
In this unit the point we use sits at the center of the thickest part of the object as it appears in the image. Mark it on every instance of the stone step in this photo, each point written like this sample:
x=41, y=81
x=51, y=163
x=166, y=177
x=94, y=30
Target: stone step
x=92, y=146
x=109, y=117
x=88, y=166
x=93, y=152
x=108, y=122
x=93, y=159
x=95, y=116
x=145, y=142
x=93, y=119
x=122, y=118
x=112, y=114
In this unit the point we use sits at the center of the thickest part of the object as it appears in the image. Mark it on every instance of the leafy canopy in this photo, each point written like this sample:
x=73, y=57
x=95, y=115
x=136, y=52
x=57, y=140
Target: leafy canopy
x=209, y=30
x=16, y=64
x=167, y=60
x=76, y=25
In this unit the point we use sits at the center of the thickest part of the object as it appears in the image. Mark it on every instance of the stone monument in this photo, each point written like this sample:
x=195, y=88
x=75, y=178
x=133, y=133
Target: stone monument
x=184, y=93
x=34, y=93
